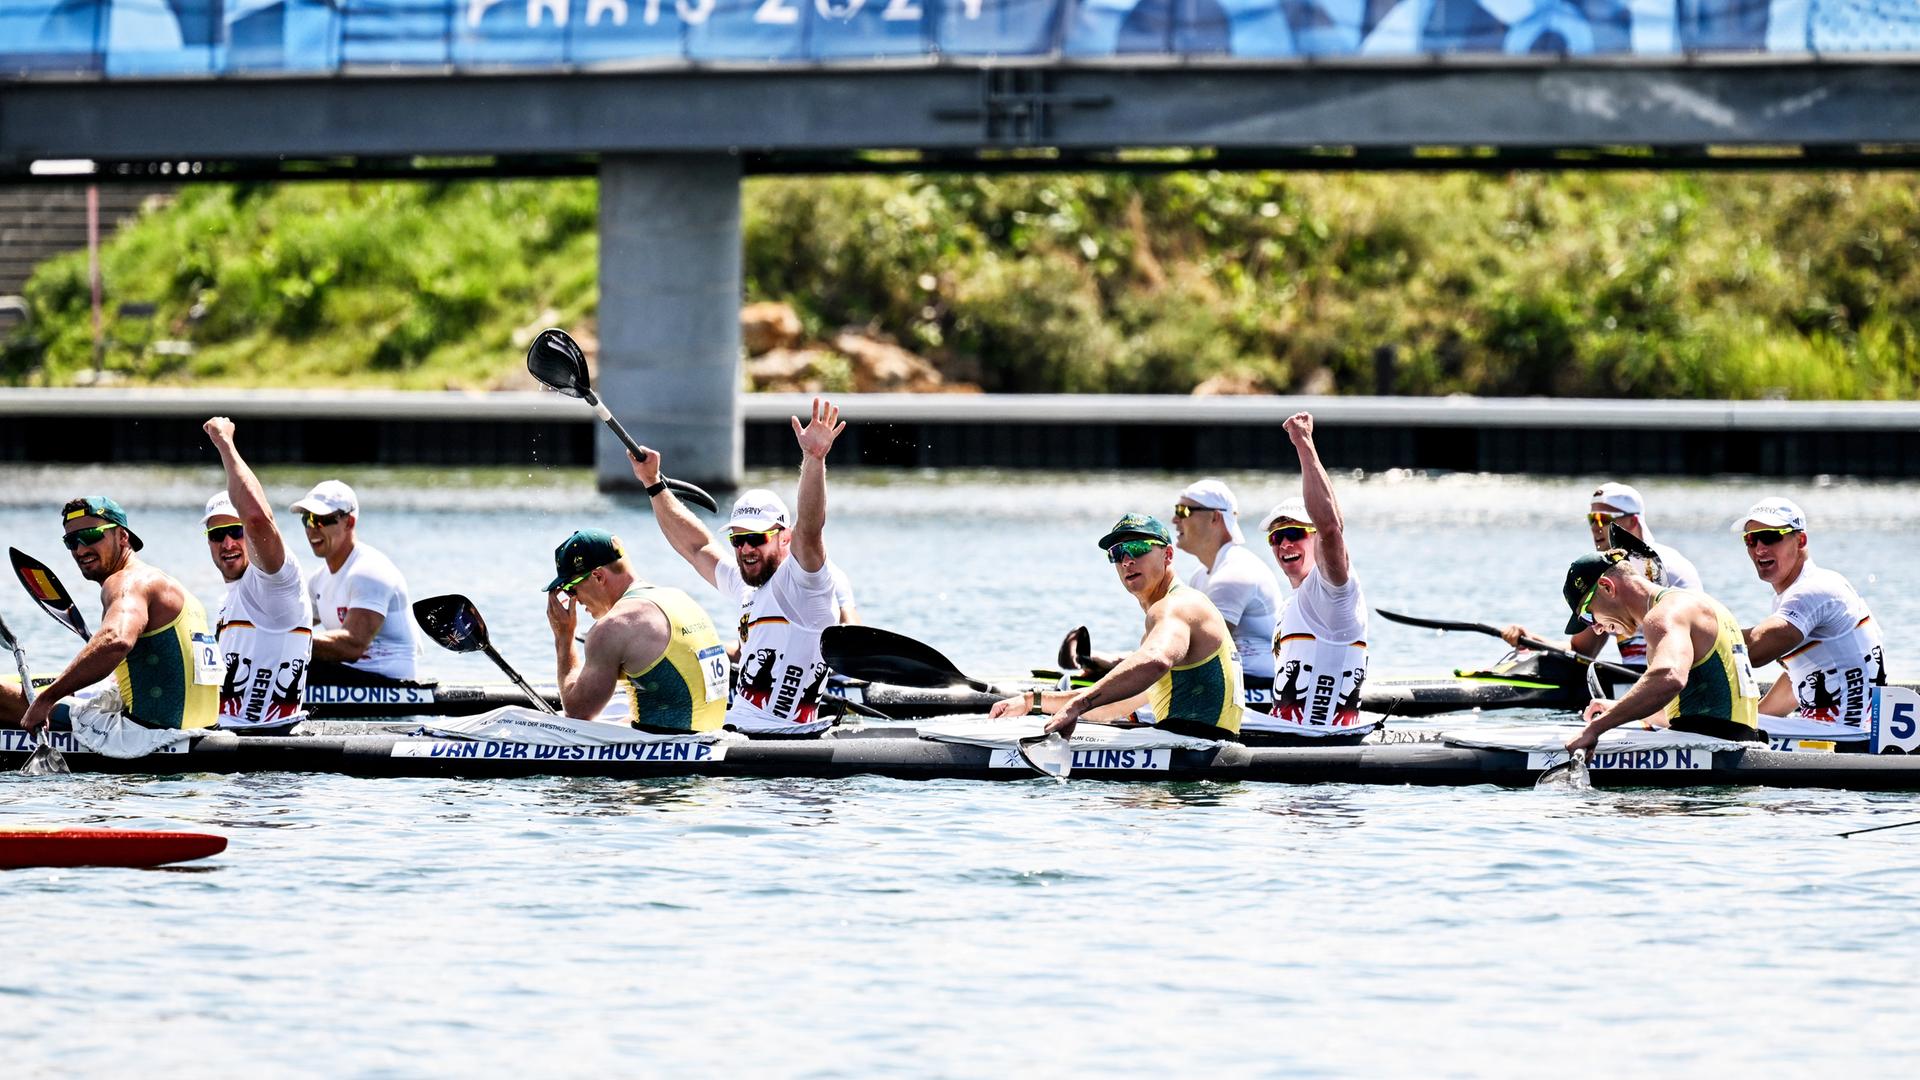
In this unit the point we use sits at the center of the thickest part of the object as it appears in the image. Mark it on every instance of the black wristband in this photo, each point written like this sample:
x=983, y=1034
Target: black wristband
x=655, y=489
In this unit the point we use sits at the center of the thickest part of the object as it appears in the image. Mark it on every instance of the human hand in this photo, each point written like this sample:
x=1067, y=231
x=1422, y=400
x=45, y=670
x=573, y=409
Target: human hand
x=563, y=614
x=646, y=466
x=1300, y=427
x=816, y=438
x=220, y=430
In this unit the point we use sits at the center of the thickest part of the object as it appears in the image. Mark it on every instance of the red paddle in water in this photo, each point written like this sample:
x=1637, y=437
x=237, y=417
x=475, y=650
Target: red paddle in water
x=103, y=847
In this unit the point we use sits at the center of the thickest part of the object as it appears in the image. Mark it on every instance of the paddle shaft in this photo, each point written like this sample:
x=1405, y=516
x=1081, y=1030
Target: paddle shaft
x=1526, y=641
x=1879, y=828
x=44, y=758
x=532, y=694
x=19, y=660
x=692, y=493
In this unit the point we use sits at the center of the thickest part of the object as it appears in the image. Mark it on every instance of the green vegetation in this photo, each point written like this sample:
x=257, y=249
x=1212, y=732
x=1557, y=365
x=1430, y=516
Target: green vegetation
x=1661, y=285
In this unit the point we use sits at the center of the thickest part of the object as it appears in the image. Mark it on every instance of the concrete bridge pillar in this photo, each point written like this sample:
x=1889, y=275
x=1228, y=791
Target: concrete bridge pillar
x=670, y=315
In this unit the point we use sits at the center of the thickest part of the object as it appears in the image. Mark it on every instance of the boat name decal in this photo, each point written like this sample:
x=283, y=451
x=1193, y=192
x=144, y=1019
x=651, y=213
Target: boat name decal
x=1690, y=757
x=1095, y=758
x=368, y=695
x=494, y=749
x=13, y=740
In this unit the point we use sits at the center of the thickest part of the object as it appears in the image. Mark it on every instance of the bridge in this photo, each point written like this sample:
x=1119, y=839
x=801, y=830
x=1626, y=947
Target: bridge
x=671, y=102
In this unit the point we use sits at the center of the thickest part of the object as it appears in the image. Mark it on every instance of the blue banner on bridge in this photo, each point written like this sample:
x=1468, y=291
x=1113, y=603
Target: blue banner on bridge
x=213, y=37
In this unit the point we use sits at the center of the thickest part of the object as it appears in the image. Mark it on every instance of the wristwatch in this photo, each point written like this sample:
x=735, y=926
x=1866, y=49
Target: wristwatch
x=656, y=488
x=1038, y=694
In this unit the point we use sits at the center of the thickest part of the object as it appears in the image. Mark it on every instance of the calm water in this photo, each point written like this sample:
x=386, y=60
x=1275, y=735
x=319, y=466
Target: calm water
x=398, y=928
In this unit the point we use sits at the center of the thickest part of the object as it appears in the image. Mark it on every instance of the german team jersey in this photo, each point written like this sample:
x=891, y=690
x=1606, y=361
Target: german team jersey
x=1320, y=656
x=266, y=641
x=1720, y=684
x=171, y=676
x=685, y=689
x=777, y=689
x=1839, y=659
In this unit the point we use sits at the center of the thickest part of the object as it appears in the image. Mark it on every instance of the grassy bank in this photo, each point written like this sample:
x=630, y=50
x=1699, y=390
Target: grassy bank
x=1802, y=285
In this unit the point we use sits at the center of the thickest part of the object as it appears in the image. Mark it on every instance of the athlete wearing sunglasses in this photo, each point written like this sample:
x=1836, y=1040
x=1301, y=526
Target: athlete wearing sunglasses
x=265, y=622
x=1820, y=630
x=363, y=619
x=153, y=657
x=1621, y=505
x=1320, y=649
x=772, y=568
x=1186, y=672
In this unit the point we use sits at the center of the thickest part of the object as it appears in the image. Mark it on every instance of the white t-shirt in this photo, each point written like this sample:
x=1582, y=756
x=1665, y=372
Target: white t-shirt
x=265, y=627
x=1839, y=659
x=1320, y=657
x=842, y=588
x=1677, y=572
x=369, y=581
x=1248, y=596
x=778, y=685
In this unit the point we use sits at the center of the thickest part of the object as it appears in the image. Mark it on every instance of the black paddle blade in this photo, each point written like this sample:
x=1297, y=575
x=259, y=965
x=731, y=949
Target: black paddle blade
x=452, y=622
x=1074, y=649
x=555, y=359
x=882, y=656
x=44, y=586
x=1629, y=543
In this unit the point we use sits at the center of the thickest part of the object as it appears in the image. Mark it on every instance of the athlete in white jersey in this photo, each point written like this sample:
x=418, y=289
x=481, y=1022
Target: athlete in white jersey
x=777, y=577
x=1820, y=631
x=265, y=624
x=1320, y=650
x=1206, y=525
x=1622, y=505
x=359, y=598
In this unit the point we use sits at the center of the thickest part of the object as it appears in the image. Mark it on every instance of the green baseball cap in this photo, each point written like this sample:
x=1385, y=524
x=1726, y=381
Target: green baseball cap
x=1136, y=527
x=1582, y=578
x=106, y=510
x=582, y=553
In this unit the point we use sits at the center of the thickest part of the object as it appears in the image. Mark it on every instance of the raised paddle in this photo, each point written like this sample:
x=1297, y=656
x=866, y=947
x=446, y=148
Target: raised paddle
x=1493, y=631
x=555, y=359
x=882, y=656
x=45, y=759
x=455, y=624
x=40, y=582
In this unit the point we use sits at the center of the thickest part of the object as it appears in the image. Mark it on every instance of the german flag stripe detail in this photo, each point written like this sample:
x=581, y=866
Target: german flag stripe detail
x=40, y=585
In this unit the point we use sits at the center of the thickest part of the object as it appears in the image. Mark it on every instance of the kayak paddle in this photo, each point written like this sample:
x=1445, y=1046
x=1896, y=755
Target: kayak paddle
x=1049, y=755
x=882, y=656
x=556, y=361
x=45, y=759
x=455, y=624
x=1526, y=642
x=40, y=582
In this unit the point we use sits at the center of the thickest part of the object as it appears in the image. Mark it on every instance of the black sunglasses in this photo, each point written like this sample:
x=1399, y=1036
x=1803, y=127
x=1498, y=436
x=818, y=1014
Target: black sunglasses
x=221, y=533
x=313, y=522
x=1768, y=537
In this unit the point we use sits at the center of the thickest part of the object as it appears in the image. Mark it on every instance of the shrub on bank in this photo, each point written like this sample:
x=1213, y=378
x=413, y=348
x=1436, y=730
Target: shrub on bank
x=1659, y=285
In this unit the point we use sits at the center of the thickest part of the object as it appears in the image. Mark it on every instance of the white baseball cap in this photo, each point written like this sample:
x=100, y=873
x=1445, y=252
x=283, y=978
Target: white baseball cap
x=1294, y=509
x=329, y=497
x=758, y=510
x=1622, y=497
x=1781, y=513
x=219, y=506
x=1213, y=493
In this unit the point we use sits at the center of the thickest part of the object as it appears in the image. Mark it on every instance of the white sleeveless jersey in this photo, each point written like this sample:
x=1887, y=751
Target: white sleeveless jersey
x=265, y=627
x=1320, y=657
x=1839, y=659
x=777, y=689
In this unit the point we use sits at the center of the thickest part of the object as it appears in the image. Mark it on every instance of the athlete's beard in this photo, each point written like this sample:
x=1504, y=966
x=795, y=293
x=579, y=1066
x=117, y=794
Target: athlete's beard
x=769, y=562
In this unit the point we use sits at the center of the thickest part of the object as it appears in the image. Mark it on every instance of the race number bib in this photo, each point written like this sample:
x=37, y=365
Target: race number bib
x=207, y=668
x=1743, y=672
x=713, y=671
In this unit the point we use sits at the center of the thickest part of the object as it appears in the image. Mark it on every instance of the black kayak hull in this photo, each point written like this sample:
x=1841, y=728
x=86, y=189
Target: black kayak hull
x=892, y=755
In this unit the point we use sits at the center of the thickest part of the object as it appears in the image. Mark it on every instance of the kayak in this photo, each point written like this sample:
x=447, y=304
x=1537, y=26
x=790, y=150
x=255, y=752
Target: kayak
x=103, y=847
x=898, y=752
